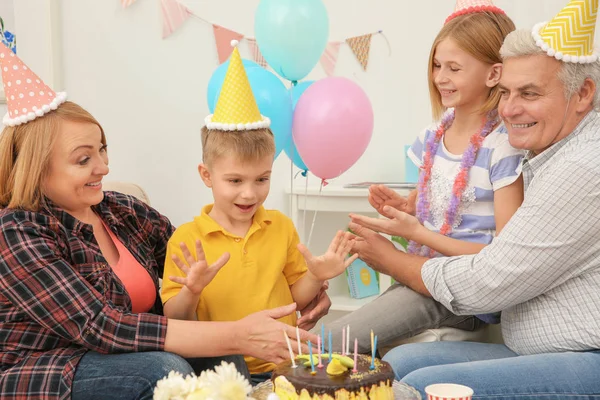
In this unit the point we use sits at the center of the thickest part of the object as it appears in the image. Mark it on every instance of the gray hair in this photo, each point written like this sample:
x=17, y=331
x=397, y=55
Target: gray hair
x=520, y=43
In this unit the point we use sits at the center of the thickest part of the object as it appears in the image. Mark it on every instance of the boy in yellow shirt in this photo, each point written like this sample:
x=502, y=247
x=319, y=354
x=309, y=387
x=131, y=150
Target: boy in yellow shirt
x=247, y=258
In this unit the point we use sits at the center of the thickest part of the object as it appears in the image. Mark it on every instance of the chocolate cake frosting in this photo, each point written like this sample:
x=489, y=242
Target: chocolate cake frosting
x=323, y=383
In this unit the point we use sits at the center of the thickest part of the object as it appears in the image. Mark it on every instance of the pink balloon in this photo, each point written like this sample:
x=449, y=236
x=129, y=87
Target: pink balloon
x=333, y=125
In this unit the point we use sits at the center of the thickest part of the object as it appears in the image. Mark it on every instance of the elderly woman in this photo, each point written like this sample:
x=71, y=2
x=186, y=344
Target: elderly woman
x=80, y=314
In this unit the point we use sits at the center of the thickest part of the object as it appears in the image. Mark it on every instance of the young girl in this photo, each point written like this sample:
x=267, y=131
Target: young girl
x=469, y=184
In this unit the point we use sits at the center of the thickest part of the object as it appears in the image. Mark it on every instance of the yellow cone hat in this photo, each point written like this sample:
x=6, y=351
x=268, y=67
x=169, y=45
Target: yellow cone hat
x=569, y=36
x=236, y=108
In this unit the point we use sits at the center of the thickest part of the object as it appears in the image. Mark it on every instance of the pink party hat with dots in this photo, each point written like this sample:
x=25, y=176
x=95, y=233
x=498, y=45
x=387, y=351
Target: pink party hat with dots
x=473, y=6
x=27, y=96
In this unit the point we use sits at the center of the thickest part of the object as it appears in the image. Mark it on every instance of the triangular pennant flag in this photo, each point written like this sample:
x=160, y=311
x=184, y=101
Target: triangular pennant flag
x=223, y=38
x=361, y=46
x=174, y=14
x=127, y=3
x=330, y=57
x=256, y=54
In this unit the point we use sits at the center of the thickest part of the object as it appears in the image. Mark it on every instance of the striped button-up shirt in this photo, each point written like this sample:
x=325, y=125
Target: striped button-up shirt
x=543, y=270
x=59, y=298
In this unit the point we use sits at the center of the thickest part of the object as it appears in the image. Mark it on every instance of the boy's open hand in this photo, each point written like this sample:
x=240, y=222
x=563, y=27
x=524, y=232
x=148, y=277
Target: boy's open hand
x=334, y=261
x=198, y=273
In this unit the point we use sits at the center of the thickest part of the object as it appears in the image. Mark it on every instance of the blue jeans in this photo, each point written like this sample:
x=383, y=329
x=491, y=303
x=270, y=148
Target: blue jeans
x=134, y=375
x=256, y=379
x=398, y=313
x=493, y=371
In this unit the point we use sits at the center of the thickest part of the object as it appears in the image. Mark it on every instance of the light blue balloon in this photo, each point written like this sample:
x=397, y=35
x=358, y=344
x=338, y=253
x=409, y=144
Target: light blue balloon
x=272, y=98
x=292, y=153
x=290, y=150
x=298, y=90
x=291, y=35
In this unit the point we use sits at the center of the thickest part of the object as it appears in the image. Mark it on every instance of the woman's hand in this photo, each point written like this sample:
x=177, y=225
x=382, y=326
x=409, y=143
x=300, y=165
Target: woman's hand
x=316, y=309
x=334, y=261
x=399, y=223
x=381, y=196
x=262, y=336
x=198, y=273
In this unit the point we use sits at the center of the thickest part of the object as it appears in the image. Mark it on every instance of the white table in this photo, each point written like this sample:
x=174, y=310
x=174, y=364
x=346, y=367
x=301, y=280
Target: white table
x=335, y=199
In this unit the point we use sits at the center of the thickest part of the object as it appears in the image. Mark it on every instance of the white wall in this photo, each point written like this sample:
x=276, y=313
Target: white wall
x=150, y=94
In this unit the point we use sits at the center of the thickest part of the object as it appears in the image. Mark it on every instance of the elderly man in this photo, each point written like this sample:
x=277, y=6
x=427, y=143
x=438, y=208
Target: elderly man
x=543, y=270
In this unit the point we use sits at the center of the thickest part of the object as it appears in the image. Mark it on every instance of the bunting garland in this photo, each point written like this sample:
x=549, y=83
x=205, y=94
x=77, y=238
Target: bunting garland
x=361, y=45
x=223, y=38
x=256, y=54
x=127, y=3
x=174, y=14
x=330, y=57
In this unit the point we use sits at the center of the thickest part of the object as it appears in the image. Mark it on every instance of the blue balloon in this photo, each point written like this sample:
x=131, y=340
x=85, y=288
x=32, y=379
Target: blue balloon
x=298, y=90
x=272, y=98
x=292, y=153
x=295, y=92
x=291, y=35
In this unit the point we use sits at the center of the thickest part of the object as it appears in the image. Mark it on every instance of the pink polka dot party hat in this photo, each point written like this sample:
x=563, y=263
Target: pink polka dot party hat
x=27, y=96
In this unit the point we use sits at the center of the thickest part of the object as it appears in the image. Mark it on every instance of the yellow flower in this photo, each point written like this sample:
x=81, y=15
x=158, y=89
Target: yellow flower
x=200, y=394
x=225, y=383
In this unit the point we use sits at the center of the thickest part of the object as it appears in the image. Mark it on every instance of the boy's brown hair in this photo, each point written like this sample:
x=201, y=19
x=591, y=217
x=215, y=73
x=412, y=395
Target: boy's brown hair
x=248, y=146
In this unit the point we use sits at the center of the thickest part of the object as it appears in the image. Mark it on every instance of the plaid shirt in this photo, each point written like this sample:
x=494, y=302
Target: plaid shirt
x=543, y=269
x=60, y=299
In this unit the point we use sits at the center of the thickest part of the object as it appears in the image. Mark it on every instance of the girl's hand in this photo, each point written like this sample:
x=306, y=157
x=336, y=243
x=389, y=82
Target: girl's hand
x=400, y=223
x=381, y=196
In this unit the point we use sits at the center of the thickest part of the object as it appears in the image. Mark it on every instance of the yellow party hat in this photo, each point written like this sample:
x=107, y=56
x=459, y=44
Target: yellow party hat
x=569, y=36
x=236, y=108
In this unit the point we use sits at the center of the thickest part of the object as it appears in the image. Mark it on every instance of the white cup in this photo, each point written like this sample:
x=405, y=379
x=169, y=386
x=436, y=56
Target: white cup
x=448, y=391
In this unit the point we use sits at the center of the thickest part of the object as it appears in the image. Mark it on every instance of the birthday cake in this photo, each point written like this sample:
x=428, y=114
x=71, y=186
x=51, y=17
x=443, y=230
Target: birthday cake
x=339, y=379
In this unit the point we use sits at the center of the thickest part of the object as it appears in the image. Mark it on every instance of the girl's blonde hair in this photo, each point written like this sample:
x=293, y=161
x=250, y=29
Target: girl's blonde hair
x=25, y=155
x=481, y=35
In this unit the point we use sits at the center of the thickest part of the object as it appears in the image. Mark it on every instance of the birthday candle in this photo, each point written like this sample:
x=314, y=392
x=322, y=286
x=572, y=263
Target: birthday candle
x=319, y=346
x=312, y=364
x=323, y=336
x=287, y=339
x=330, y=345
x=348, y=339
x=372, y=344
x=375, y=348
x=355, y=355
x=343, y=341
x=298, y=339
x=373, y=352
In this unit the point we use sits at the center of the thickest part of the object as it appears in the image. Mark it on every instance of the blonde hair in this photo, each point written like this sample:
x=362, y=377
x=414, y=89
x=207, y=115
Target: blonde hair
x=248, y=146
x=25, y=152
x=481, y=35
